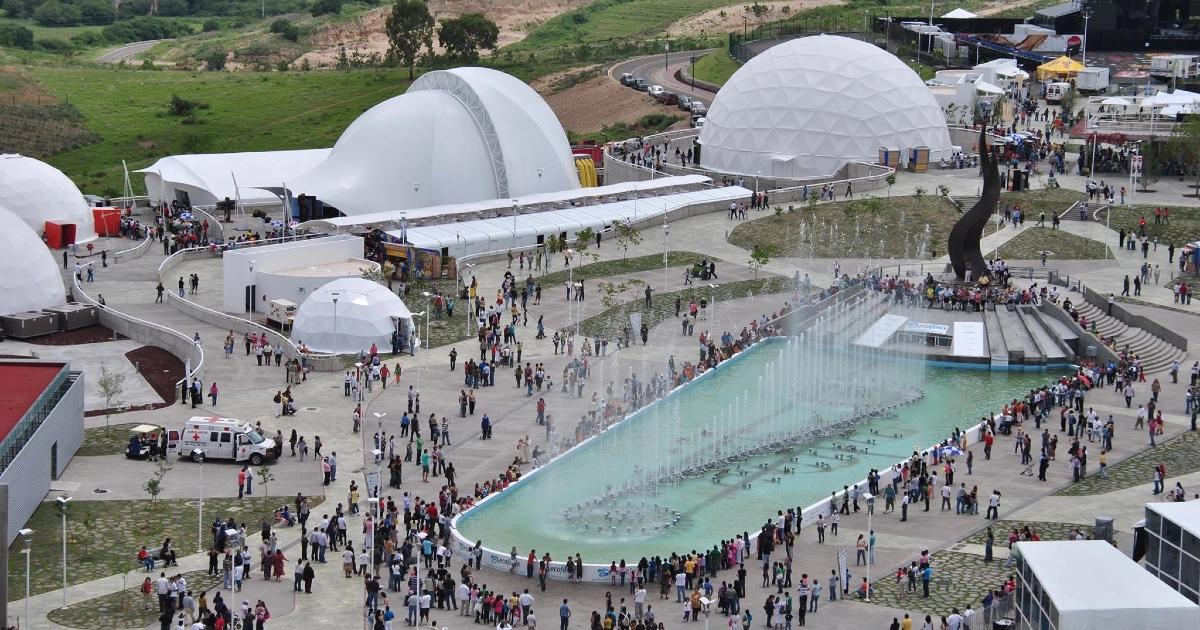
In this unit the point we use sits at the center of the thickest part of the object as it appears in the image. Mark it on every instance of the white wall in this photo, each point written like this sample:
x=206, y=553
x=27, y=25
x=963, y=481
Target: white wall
x=298, y=287
x=291, y=255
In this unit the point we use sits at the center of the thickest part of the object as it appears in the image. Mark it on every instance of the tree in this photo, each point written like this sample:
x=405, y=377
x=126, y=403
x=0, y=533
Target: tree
x=88, y=520
x=626, y=235
x=409, y=28
x=55, y=13
x=111, y=385
x=610, y=293
x=14, y=36
x=154, y=486
x=1151, y=166
x=265, y=477
x=891, y=181
x=216, y=60
x=321, y=7
x=464, y=36
x=761, y=256
x=1184, y=146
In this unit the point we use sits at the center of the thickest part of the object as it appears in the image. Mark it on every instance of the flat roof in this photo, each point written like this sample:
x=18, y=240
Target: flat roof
x=1080, y=575
x=1186, y=515
x=21, y=382
x=348, y=267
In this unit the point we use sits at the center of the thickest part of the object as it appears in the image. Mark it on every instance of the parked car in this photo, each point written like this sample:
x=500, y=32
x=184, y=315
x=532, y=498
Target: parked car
x=698, y=108
x=697, y=122
x=641, y=85
x=627, y=79
x=656, y=90
x=668, y=98
x=685, y=102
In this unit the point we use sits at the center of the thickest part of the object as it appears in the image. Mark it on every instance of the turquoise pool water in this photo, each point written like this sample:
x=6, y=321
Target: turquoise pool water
x=569, y=506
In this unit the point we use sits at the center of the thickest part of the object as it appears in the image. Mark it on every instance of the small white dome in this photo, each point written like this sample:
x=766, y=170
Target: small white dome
x=32, y=280
x=366, y=313
x=806, y=107
x=37, y=192
x=456, y=136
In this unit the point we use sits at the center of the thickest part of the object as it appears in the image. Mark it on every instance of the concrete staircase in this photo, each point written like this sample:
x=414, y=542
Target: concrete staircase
x=1156, y=354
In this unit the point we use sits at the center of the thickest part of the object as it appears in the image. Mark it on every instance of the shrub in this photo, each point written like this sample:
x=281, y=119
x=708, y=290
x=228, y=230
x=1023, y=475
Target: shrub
x=181, y=106
x=14, y=36
x=211, y=26
x=89, y=39
x=280, y=26
x=55, y=13
x=321, y=7
x=215, y=61
x=143, y=28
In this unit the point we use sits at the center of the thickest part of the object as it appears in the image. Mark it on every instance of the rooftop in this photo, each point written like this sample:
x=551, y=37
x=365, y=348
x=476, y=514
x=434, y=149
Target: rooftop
x=21, y=382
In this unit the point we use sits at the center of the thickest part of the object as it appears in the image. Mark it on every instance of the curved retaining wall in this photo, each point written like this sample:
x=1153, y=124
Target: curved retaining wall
x=150, y=334
x=133, y=252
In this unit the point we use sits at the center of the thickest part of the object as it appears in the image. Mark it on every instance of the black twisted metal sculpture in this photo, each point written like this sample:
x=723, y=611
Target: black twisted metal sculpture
x=964, y=238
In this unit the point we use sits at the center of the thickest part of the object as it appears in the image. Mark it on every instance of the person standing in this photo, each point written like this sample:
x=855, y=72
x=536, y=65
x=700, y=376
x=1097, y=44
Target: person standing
x=564, y=615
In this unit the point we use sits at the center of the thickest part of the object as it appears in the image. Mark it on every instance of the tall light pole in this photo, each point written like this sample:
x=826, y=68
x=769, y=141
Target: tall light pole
x=713, y=289
x=515, y=204
x=1087, y=15
x=28, y=551
x=666, y=56
x=666, y=235
x=198, y=455
x=870, y=548
x=250, y=292
x=62, y=507
x=335, y=295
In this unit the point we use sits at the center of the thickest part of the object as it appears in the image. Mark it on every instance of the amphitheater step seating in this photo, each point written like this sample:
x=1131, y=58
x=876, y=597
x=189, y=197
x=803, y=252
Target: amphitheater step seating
x=1156, y=354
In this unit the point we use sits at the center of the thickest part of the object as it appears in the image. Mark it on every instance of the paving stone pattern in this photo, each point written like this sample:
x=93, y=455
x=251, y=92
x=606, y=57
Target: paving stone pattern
x=110, y=440
x=958, y=579
x=1180, y=454
x=123, y=609
x=1048, y=531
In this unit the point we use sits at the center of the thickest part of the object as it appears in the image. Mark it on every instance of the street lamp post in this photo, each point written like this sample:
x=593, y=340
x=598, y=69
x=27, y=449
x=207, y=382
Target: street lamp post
x=198, y=455
x=515, y=204
x=713, y=289
x=335, y=295
x=666, y=56
x=870, y=548
x=250, y=292
x=1087, y=15
x=62, y=506
x=28, y=551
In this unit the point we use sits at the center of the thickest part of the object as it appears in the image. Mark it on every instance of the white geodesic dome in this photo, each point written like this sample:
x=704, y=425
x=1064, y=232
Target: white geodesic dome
x=806, y=107
x=31, y=280
x=366, y=313
x=456, y=136
x=37, y=192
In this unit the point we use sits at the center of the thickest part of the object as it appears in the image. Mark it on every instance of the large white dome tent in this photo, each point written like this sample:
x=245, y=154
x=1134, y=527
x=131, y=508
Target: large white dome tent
x=32, y=280
x=456, y=136
x=366, y=313
x=806, y=107
x=37, y=192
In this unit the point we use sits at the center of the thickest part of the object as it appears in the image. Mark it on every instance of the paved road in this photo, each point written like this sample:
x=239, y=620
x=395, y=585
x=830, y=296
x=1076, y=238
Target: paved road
x=128, y=50
x=651, y=69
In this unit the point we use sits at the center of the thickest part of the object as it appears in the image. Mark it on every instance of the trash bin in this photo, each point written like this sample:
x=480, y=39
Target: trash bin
x=1091, y=351
x=1103, y=529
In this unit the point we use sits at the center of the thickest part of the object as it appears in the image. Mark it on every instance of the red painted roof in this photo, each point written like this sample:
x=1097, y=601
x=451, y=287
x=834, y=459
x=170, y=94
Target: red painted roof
x=20, y=385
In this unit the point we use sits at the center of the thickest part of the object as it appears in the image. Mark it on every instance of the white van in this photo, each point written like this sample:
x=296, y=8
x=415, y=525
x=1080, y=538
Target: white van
x=220, y=438
x=1055, y=92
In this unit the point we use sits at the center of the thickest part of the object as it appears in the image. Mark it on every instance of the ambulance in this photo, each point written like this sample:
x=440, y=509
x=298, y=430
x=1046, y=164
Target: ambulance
x=220, y=438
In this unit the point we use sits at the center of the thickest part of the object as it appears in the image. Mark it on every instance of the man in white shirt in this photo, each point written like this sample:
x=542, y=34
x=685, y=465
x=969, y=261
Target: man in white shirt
x=968, y=617
x=162, y=588
x=464, y=597
x=680, y=586
x=526, y=600
x=954, y=621
x=639, y=601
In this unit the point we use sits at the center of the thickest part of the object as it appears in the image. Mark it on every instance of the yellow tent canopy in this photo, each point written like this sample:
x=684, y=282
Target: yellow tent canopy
x=1061, y=68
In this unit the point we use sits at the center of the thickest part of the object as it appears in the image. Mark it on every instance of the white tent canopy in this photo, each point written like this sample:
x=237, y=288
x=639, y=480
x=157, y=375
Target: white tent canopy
x=208, y=177
x=365, y=313
x=498, y=234
x=983, y=87
x=1077, y=577
x=37, y=192
x=960, y=14
x=32, y=280
x=493, y=207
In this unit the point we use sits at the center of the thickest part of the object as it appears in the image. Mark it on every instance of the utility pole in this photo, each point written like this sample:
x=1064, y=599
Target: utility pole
x=1087, y=15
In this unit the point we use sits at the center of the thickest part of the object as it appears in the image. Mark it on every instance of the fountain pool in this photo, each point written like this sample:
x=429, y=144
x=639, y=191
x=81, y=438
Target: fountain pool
x=646, y=487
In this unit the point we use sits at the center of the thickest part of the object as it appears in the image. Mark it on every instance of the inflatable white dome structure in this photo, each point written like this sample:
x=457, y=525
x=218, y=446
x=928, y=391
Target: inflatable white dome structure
x=366, y=313
x=806, y=107
x=32, y=280
x=456, y=136
x=37, y=192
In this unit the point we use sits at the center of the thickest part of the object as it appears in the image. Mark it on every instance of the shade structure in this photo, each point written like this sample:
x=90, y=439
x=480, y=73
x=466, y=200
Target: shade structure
x=456, y=136
x=365, y=313
x=807, y=107
x=31, y=280
x=960, y=14
x=37, y=192
x=1061, y=68
x=207, y=178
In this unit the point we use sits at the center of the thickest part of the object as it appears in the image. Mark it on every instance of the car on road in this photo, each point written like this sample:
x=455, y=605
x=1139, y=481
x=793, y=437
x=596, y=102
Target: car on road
x=685, y=102
x=641, y=85
x=627, y=79
x=656, y=90
x=668, y=98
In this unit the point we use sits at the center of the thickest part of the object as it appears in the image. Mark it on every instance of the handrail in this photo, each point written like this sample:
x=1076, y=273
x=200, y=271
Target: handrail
x=213, y=223
x=163, y=266
x=134, y=252
x=242, y=325
x=197, y=369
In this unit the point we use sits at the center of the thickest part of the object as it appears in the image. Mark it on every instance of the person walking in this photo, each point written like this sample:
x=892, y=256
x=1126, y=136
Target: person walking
x=564, y=615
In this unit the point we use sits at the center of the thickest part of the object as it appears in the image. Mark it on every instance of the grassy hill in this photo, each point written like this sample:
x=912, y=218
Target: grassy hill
x=239, y=111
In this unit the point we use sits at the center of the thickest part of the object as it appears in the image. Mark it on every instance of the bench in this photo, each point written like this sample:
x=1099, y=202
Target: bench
x=153, y=556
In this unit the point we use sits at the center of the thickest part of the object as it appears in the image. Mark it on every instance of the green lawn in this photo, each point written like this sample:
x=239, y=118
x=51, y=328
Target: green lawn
x=1184, y=227
x=1058, y=245
x=63, y=33
x=614, y=19
x=246, y=112
x=715, y=67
